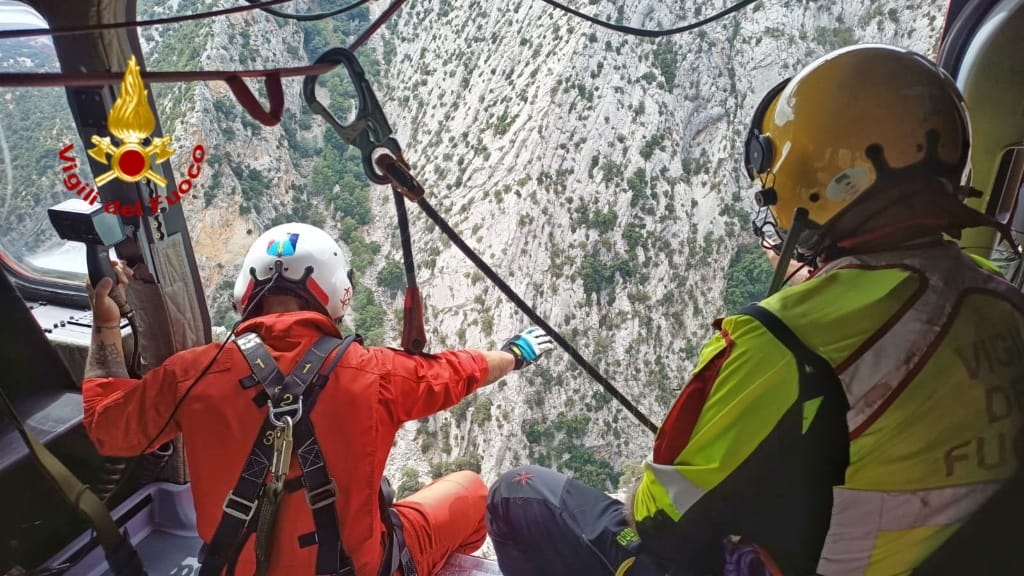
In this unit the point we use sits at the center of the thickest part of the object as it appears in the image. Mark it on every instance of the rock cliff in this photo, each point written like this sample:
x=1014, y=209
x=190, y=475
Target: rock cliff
x=598, y=173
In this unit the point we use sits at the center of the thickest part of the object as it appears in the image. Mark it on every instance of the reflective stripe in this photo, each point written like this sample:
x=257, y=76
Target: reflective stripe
x=681, y=491
x=898, y=353
x=859, y=515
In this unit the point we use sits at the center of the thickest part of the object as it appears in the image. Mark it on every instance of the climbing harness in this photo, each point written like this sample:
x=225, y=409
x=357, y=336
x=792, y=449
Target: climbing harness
x=290, y=400
x=383, y=163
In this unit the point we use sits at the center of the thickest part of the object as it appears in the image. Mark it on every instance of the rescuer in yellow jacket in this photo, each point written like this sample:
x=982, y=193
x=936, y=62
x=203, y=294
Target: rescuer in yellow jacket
x=848, y=424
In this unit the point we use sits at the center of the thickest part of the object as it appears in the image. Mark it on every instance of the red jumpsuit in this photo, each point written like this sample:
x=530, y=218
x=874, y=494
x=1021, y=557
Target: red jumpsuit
x=370, y=394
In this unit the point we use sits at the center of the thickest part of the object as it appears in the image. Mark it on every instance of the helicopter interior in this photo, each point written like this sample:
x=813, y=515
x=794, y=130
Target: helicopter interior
x=46, y=333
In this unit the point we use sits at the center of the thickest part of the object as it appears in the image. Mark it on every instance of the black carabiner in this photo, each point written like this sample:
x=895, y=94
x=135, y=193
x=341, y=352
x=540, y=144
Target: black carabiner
x=369, y=131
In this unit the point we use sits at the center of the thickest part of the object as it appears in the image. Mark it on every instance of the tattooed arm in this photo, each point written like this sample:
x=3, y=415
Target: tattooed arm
x=122, y=414
x=106, y=355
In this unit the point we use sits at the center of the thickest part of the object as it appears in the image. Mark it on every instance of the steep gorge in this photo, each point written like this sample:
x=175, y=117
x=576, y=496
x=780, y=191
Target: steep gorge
x=598, y=173
x=601, y=175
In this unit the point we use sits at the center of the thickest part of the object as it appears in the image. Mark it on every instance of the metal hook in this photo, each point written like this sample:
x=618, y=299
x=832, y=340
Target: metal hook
x=369, y=131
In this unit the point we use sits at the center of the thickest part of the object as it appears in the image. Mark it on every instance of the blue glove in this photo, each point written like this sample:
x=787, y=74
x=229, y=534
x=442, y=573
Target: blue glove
x=528, y=346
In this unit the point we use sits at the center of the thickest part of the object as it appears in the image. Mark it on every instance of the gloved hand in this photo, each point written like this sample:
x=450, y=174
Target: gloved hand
x=528, y=346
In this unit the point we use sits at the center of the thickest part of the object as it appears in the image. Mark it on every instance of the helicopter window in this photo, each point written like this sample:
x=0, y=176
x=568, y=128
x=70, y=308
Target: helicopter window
x=1007, y=186
x=1005, y=205
x=36, y=130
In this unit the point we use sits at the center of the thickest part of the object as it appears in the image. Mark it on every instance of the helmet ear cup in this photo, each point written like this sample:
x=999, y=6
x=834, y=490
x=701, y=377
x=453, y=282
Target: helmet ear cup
x=759, y=151
x=760, y=154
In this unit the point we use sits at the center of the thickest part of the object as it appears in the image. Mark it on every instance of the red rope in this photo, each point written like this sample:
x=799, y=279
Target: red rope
x=376, y=25
x=31, y=33
x=271, y=77
x=61, y=79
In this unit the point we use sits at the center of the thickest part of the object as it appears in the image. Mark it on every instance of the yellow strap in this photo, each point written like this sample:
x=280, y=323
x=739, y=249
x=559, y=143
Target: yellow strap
x=78, y=494
x=624, y=567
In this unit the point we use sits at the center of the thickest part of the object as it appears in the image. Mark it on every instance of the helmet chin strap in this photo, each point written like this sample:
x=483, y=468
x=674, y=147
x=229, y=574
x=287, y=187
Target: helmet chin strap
x=789, y=246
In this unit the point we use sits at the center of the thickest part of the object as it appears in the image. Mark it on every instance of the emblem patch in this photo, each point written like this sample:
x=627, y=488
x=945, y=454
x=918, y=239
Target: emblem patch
x=283, y=247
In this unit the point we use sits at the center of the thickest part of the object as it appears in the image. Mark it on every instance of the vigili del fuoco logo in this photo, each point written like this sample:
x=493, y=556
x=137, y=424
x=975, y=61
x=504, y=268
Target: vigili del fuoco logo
x=131, y=123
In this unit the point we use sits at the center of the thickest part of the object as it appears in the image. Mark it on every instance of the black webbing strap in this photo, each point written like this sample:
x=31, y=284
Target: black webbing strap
x=241, y=503
x=817, y=460
x=817, y=379
x=321, y=490
x=396, y=553
x=400, y=552
x=385, y=496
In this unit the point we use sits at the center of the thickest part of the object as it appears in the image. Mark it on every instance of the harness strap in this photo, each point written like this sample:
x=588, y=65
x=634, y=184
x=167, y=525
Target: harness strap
x=817, y=379
x=400, y=555
x=285, y=395
x=817, y=461
x=321, y=490
x=117, y=547
x=396, y=553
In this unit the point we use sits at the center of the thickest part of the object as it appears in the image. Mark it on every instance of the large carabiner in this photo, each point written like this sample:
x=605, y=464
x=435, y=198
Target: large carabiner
x=369, y=131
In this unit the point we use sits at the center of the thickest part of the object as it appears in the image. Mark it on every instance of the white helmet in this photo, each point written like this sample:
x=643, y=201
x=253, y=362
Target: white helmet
x=299, y=259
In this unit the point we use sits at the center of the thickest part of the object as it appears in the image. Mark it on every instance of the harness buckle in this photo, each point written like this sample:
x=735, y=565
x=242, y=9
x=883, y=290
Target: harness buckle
x=322, y=496
x=280, y=411
x=250, y=507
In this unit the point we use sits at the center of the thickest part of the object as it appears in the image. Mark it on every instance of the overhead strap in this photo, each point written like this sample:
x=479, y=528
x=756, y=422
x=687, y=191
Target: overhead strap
x=22, y=33
x=270, y=116
x=118, y=549
x=245, y=97
x=285, y=397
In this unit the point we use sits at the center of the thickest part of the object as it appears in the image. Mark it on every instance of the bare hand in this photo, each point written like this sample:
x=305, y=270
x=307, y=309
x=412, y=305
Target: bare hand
x=105, y=311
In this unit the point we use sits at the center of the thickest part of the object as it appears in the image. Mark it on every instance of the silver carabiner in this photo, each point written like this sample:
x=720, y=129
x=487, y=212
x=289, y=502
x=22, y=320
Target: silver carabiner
x=276, y=412
x=282, y=451
x=369, y=131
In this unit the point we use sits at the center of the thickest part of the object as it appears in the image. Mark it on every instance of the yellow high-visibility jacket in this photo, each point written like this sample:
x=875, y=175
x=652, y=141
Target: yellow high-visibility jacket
x=928, y=346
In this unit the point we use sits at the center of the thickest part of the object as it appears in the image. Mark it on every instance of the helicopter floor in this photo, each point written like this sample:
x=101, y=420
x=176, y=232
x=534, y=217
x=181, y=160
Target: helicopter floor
x=161, y=522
